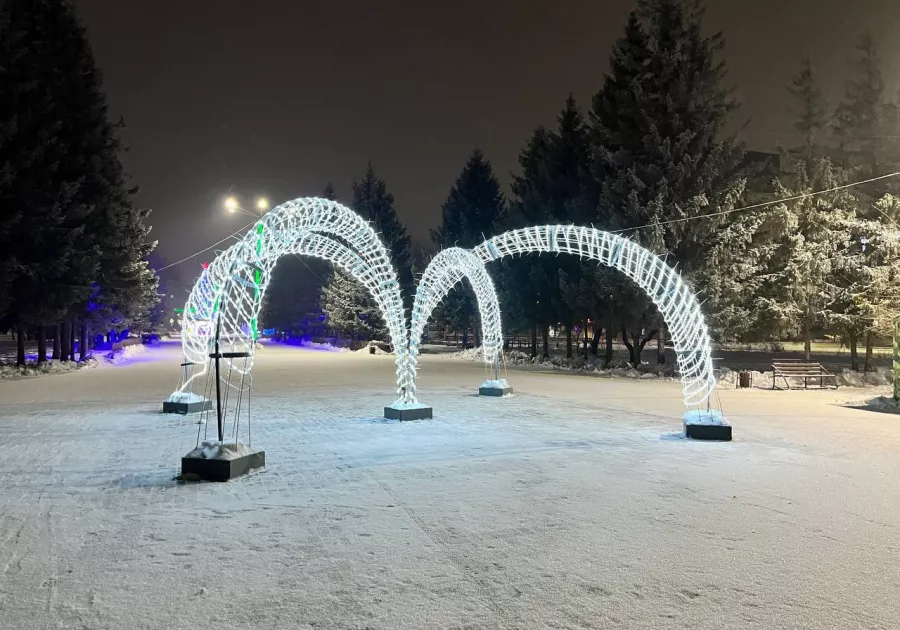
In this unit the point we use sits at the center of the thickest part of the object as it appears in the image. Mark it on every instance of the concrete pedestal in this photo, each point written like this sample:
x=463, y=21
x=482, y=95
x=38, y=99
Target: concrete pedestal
x=408, y=413
x=221, y=469
x=706, y=424
x=494, y=391
x=186, y=408
x=721, y=432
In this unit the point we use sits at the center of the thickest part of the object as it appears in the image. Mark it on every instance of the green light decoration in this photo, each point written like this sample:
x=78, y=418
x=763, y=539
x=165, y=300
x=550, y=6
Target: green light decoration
x=257, y=276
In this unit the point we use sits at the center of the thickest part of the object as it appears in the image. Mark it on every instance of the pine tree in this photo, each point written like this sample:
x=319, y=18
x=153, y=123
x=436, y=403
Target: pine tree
x=347, y=305
x=573, y=199
x=865, y=122
x=529, y=287
x=468, y=217
x=349, y=308
x=659, y=158
x=76, y=236
x=808, y=108
x=374, y=203
x=799, y=281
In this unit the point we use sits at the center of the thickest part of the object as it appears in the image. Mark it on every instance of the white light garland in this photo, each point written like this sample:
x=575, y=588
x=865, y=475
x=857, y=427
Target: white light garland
x=229, y=292
x=674, y=299
x=443, y=273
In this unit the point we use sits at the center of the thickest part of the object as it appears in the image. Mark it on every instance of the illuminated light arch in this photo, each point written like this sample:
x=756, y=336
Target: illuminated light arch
x=672, y=297
x=230, y=290
x=444, y=272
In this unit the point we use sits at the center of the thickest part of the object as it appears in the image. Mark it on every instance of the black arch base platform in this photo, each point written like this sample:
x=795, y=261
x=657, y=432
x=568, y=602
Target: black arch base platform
x=198, y=468
x=185, y=408
x=403, y=412
x=706, y=425
x=495, y=391
x=719, y=432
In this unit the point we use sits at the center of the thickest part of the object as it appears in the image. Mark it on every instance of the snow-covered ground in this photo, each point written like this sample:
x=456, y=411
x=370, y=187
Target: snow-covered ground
x=573, y=504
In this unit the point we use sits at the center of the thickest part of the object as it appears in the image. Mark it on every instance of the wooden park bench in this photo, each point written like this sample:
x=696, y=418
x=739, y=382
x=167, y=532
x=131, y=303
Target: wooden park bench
x=801, y=369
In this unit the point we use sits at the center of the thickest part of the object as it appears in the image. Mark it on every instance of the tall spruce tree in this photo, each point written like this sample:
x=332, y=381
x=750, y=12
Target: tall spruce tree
x=809, y=109
x=865, y=123
x=799, y=266
x=71, y=230
x=531, y=285
x=468, y=217
x=348, y=306
x=373, y=202
x=661, y=156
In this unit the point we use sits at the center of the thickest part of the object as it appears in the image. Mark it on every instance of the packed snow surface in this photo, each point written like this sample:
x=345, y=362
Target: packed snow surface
x=218, y=450
x=704, y=416
x=185, y=397
x=575, y=504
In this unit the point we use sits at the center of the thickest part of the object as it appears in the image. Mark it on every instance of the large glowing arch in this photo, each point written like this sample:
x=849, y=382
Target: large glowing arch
x=674, y=299
x=444, y=272
x=229, y=293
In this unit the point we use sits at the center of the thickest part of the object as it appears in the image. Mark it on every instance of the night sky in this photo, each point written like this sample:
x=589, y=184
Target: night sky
x=278, y=98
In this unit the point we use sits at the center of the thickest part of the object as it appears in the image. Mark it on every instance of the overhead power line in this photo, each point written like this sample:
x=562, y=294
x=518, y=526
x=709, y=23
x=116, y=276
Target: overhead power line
x=761, y=205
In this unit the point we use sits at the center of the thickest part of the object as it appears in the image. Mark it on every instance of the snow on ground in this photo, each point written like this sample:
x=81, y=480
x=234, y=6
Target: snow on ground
x=573, y=504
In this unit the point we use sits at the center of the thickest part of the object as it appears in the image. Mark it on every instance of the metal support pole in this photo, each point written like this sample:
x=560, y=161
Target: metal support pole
x=218, y=385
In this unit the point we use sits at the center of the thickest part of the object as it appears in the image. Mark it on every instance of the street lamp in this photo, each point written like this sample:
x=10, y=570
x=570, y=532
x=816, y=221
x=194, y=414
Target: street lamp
x=232, y=205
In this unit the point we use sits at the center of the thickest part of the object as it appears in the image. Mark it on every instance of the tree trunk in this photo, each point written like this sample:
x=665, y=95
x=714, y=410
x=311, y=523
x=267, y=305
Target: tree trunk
x=42, y=344
x=20, y=346
x=870, y=339
x=595, y=340
x=661, y=345
x=72, y=339
x=853, y=338
x=568, y=341
x=533, y=341
x=607, y=359
x=630, y=347
x=83, y=342
x=545, y=340
x=643, y=342
x=64, y=341
x=465, y=337
x=807, y=341
x=56, y=334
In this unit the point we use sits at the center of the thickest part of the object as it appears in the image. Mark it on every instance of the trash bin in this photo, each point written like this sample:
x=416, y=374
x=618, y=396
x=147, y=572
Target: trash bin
x=371, y=349
x=743, y=380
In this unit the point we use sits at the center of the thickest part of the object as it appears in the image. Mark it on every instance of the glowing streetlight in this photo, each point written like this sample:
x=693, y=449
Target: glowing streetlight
x=233, y=205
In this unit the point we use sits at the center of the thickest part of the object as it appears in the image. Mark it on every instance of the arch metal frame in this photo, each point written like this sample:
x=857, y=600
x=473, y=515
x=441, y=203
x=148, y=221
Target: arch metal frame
x=663, y=284
x=229, y=293
x=447, y=269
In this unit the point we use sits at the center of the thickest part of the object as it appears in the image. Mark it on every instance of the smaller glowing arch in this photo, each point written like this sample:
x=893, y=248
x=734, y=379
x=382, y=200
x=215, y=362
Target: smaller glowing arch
x=443, y=273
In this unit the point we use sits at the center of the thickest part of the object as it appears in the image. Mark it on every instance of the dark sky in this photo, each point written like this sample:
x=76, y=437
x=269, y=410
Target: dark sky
x=278, y=97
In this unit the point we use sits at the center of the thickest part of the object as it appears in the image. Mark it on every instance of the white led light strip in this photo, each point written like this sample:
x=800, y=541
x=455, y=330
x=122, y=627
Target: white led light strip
x=230, y=291
x=673, y=298
x=444, y=272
